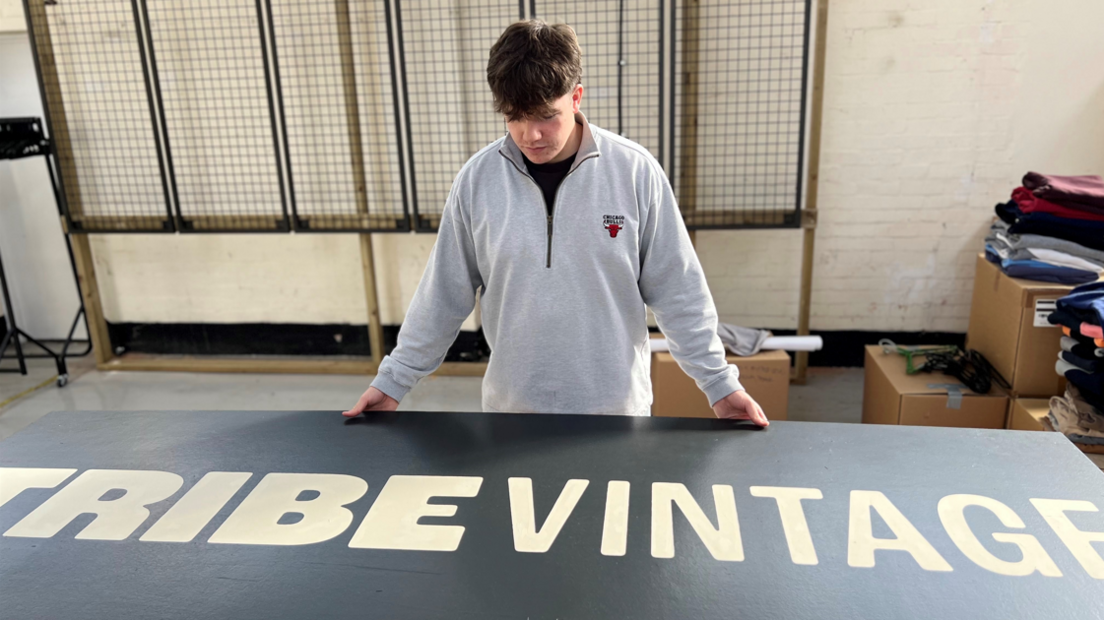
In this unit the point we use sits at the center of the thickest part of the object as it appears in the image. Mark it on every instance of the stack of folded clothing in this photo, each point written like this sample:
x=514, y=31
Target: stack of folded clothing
x=1052, y=230
x=1077, y=414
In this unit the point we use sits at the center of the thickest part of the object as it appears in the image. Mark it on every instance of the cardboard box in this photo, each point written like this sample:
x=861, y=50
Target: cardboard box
x=891, y=396
x=765, y=376
x=1008, y=326
x=1027, y=414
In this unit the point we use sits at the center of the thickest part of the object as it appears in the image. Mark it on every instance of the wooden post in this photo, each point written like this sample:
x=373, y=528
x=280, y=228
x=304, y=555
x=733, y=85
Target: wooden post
x=90, y=295
x=688, y=146
x=809, y=219
x=469, y=101
x=38, y=29
x=375, y=329
x=356, y=155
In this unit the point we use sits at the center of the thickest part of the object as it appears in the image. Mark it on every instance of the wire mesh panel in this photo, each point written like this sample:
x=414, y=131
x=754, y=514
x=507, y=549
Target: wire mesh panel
x=621, y=62
x=212, y=70
x=98, y=105
x=739, y=111
x=445, y=46
x=336, y=84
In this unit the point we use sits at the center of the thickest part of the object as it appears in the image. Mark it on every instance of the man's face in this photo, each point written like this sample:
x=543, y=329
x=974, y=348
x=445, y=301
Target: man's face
x=542, y=139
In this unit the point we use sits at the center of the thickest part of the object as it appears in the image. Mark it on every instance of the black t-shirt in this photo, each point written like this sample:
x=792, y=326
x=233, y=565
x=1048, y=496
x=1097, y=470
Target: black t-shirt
x=549, y=177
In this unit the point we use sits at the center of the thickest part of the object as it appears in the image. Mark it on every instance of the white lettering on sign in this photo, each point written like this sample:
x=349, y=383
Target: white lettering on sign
x=199, y=505
x=257, y=520
x=1077, y=541
x=527, y=538
x=794, y=525
x=952, y=513
x=723, y=542
x=15, y=480
x=392, y=521
x=615, y=528
x=861, y=543
x=303, y=508
x=116, y=518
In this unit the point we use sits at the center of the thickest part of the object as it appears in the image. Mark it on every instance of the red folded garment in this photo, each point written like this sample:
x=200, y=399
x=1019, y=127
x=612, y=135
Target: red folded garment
x=1030, y=203
x=1086, y=191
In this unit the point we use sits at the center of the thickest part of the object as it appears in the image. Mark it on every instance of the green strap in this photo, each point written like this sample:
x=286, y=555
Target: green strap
x=889, y=347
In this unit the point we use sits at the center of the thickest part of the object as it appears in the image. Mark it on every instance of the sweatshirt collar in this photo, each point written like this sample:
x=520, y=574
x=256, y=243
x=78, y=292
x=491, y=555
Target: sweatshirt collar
x=588, y=147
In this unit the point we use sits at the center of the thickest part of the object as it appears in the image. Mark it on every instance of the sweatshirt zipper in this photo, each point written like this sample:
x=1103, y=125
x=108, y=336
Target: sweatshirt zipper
x=555, y=201
x=548, y=261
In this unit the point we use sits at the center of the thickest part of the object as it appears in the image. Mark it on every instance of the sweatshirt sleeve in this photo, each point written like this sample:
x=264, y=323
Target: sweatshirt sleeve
x=444, y=299
x=673, y=284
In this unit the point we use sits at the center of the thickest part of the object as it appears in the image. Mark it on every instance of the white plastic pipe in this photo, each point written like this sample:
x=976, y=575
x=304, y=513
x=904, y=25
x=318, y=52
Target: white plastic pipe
x=783, y=343
x=794, y=343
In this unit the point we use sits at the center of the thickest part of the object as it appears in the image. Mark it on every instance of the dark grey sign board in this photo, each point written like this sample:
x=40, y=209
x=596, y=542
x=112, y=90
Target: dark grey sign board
x=442, y=515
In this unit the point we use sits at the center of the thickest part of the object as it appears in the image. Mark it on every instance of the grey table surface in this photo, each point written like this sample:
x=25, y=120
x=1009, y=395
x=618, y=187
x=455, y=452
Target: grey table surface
x=62, y=576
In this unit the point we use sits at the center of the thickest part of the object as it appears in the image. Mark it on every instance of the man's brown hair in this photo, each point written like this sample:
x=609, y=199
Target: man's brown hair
x=532, y=64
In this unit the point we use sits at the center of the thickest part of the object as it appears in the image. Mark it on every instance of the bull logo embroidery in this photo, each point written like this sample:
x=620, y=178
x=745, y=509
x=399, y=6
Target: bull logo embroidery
x=614, y=224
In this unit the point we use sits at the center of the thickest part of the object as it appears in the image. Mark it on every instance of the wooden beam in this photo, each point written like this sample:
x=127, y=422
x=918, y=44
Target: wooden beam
x=687, y=155
x=154, y=223
x=90, y=295
x=38, y=26
x=249, y=365
x=375, y=328
x=801, y=361
x=230, y=223
x=352, y=105
x=724, y=219
x=94, y=223
x=360, y=180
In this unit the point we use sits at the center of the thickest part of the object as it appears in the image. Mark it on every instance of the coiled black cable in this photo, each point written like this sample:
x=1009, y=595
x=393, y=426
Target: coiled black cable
x=969, y=367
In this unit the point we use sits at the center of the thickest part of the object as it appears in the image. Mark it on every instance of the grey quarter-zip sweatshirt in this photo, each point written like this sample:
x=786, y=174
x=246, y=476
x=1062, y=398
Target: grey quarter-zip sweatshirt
x=563, y=294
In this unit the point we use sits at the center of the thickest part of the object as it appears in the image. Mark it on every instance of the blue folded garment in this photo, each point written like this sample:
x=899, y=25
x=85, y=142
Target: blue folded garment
x=1039, y=270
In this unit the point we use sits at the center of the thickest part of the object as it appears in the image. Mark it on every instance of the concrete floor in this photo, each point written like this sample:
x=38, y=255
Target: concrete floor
x=830, y=395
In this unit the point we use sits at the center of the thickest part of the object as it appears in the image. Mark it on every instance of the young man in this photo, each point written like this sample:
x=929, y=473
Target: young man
x=568, y=231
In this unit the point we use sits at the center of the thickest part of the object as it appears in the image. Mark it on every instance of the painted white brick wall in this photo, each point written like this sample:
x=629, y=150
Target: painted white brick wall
x=933, y=110
x=11, y=16
x=256, y=278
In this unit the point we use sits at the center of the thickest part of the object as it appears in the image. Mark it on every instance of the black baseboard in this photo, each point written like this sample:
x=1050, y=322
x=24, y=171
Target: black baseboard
x=846, y=349
x=841, y=348
x=3, y=327
x=270, y=339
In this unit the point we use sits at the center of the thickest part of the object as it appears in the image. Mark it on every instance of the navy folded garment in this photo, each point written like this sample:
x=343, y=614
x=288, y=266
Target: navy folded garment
x=1081, y=339
x=1094, y=399
x=1008, y=211
x=1085, y=350
x=1088, y=233
x=1089, y=383
x=1088, y=365
x=1066, y=318
x=1085, y=301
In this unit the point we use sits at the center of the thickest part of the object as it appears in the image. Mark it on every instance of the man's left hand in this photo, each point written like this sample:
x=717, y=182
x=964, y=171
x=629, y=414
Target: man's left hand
x=740, y=406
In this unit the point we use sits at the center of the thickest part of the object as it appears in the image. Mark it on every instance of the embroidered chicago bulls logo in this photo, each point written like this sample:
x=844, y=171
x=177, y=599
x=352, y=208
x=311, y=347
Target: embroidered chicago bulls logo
x=614, y=224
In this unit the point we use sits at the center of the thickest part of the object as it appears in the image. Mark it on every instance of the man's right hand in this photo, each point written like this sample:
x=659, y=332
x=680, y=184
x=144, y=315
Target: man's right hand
x=372, y=400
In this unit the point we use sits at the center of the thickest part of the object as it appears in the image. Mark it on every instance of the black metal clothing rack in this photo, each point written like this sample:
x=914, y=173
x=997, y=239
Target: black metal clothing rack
x=19, y=138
